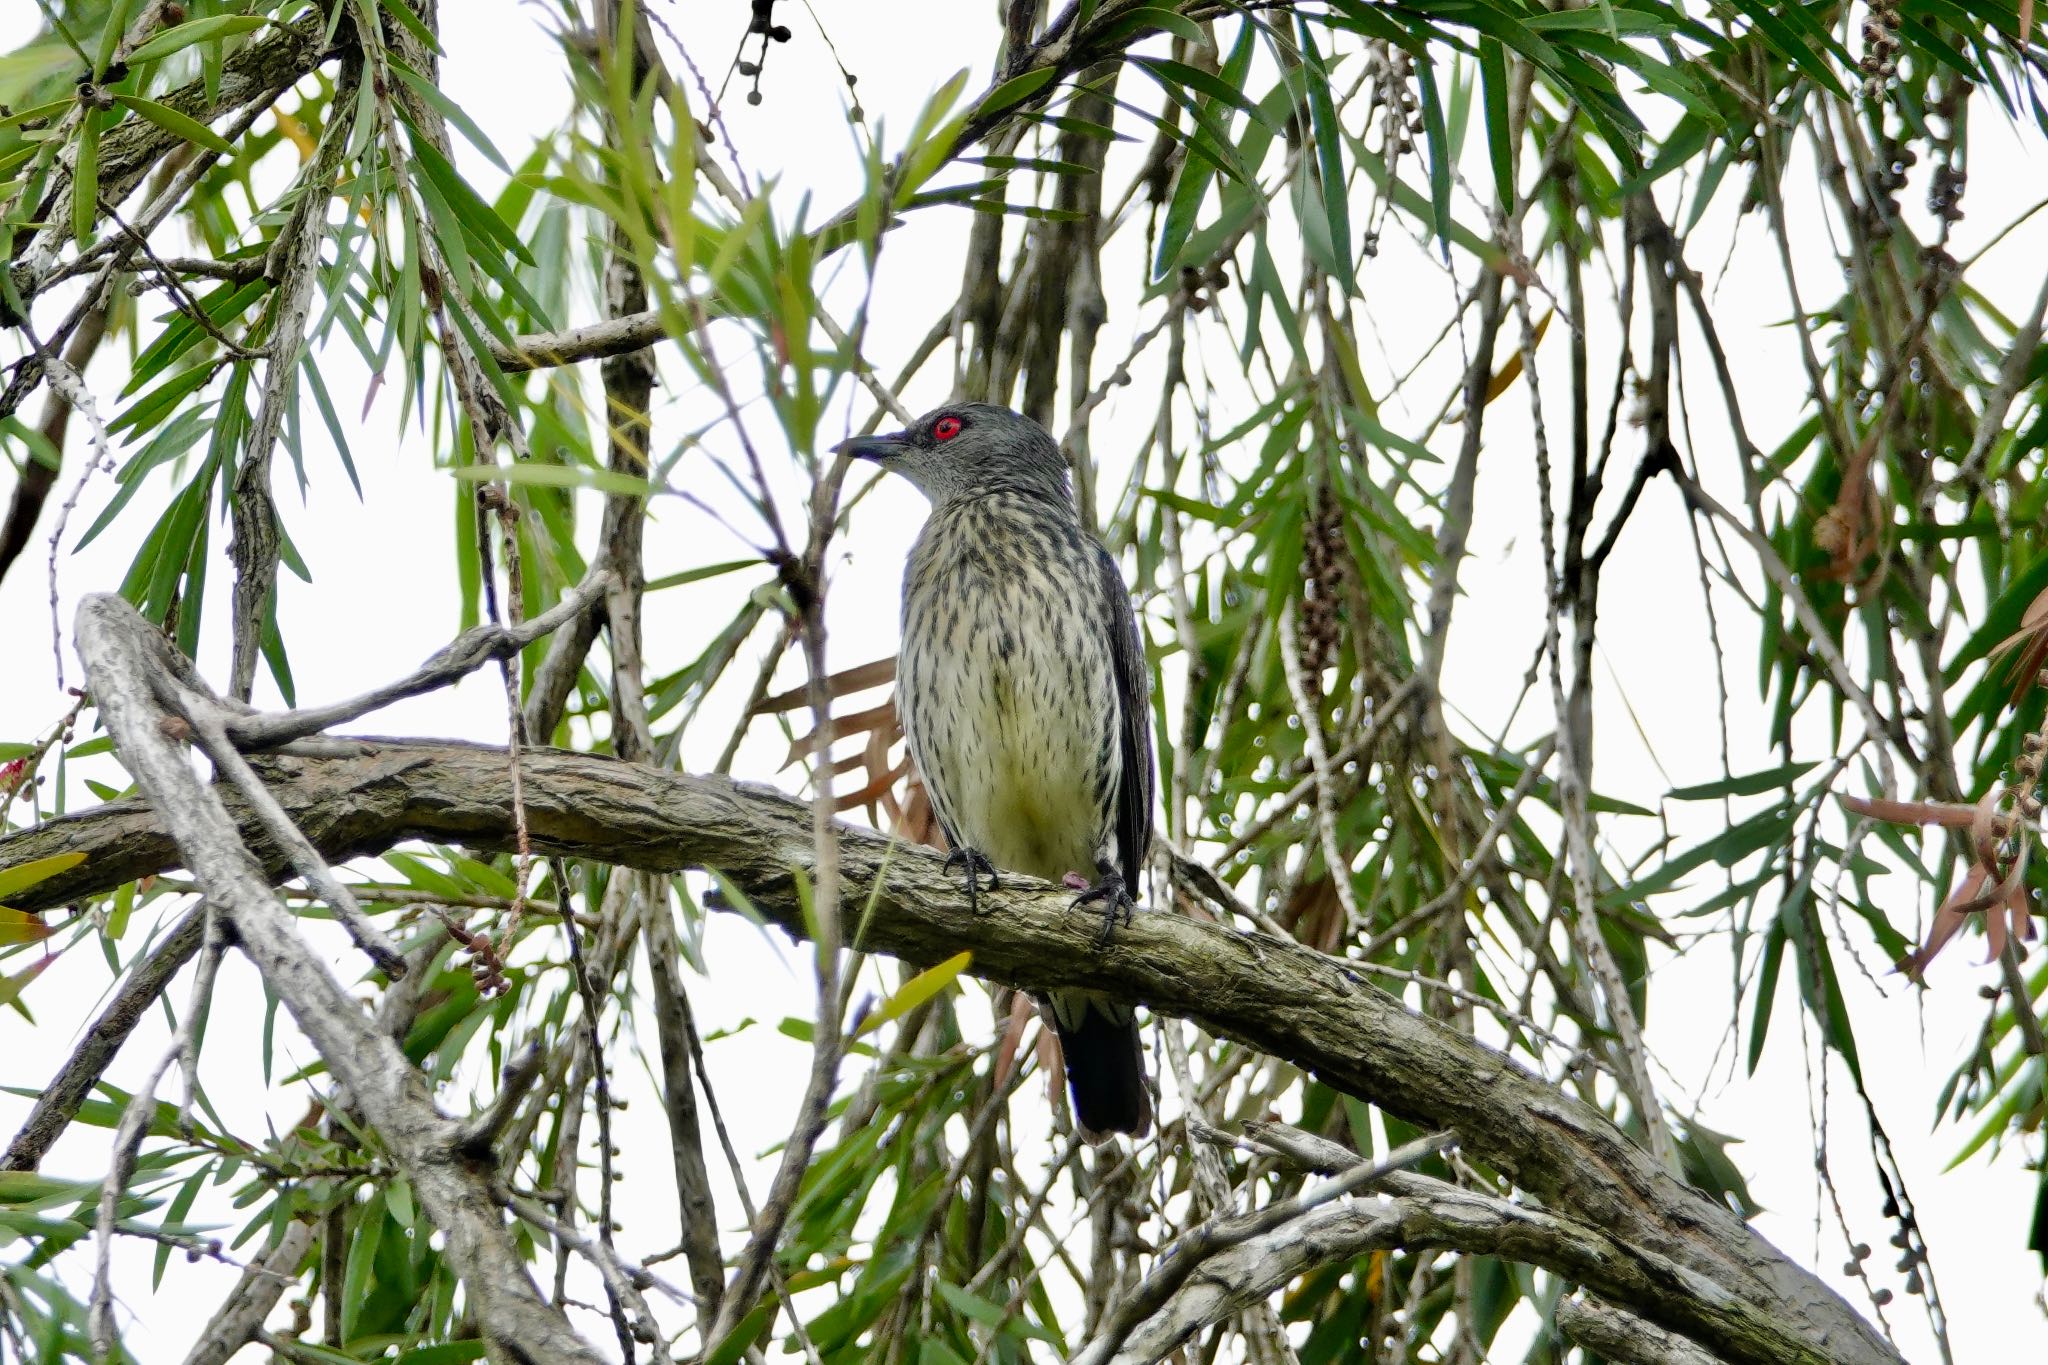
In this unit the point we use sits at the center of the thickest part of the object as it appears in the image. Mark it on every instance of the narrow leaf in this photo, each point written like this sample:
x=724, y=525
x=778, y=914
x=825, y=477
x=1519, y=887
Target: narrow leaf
x=182, y=125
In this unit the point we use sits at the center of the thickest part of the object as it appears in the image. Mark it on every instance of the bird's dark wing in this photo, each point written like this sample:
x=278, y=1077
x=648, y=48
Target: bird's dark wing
x=1134, y=723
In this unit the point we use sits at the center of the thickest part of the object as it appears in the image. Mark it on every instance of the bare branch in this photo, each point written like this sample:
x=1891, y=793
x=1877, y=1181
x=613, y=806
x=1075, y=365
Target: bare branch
x=1288, y=1001
x=293, y=261
x=480, y=1134
x=124, y=660
x=32, y=489
x=1622, y=1337
x=239, y=1318
x=135, y=1121
x=1201, y=1250
x=465, y=654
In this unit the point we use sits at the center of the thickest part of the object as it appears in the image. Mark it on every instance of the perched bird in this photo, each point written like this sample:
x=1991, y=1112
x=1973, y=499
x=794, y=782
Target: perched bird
x=1022, y=689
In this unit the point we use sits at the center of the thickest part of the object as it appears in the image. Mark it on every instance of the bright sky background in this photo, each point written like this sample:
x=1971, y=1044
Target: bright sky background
x=383, y=597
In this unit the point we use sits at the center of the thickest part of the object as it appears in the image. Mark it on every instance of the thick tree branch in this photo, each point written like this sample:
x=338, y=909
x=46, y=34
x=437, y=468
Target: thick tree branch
x=1421, y=1213
x=359, y=797
x=1236, y=1253
x=598, y=341
x=1623, y=1337
x=462, y=656
x=130, y=674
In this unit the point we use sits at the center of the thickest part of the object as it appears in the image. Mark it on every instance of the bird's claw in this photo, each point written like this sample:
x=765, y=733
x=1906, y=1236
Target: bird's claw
x=1116, y=901
x=976, y=864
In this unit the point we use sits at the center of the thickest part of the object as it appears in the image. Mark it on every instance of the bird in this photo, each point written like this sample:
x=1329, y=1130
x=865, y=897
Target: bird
x=1025, y=701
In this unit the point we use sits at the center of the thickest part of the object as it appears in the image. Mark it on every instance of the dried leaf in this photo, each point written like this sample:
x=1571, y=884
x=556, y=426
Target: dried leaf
x=917, y=823
x=2033, y=633
x=847, y=680
x=1013, y=1035
x=19, y=926
x=1954, y=913
x=859, y=722
x=1945, y=813
x=872, y=792
x=1508, y=373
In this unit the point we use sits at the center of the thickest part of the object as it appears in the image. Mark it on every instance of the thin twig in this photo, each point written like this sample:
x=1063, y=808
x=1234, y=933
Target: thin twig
x=135, y=1122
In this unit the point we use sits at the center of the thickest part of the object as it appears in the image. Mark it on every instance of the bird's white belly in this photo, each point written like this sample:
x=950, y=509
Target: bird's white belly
x=1016, y=733
x=1025, y=764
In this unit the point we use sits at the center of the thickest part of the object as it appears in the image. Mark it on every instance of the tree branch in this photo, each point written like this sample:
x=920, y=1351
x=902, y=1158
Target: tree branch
x=354, y=797
x=127, y=668
x=128, y=150
x=241, y=1315
x=1623, y=1337
x=32, y=491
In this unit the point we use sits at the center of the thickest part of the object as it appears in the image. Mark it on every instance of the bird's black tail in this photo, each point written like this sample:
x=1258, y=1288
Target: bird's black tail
x=1105, y=1066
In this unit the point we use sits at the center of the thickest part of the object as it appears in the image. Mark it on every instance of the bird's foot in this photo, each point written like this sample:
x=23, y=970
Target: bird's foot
x=976, y=864
x=1115, y=897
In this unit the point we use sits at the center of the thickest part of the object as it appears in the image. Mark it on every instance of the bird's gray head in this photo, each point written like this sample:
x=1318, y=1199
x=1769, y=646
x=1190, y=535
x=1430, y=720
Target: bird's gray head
x=965, y=450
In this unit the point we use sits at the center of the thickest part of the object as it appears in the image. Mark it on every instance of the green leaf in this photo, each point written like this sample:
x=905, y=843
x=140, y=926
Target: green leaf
x=38, y=113
x=1066, y=123
x=447, y=1353
x=85, y=179
x=1190, y=186
x=28, y=1190
x=734, y=1346
x=1179, y=77
x=1784, y=42
x=22, y=876
x=1039, y=164
x=1439, y=149
x=209, y=29
x=1766, y=993
x=403, y=13
x=1748, y=784
x=11, y=987
x=361, y=1260
x=1329, y=138
x=451, y=111
x=171, y=121
x=916, y=991
x=111, y=32
x=1144, y=18
x=1493, y=77
x=1016, y=90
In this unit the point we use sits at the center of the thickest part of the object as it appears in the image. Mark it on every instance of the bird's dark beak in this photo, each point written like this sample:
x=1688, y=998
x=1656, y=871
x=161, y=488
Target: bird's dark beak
x=883, y=446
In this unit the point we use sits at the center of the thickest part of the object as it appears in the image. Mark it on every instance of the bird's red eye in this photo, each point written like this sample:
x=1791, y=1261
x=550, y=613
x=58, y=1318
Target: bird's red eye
x=946, y=428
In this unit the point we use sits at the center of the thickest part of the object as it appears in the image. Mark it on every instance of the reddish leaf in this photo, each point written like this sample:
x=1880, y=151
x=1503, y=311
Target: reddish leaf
x=847, y=680
x=1945, y=813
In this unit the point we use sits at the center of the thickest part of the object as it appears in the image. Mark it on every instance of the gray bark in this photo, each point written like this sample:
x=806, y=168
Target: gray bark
x=355, y=797
x=132, y=678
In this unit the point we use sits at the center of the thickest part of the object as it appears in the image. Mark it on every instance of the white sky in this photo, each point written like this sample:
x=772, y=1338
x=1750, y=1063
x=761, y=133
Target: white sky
x=383, y=597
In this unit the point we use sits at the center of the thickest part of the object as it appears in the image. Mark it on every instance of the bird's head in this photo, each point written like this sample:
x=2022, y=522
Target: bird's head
x=964, y=450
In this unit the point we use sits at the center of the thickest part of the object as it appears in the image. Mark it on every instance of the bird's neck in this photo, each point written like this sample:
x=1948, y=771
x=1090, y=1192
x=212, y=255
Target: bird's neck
x=1035, y=499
